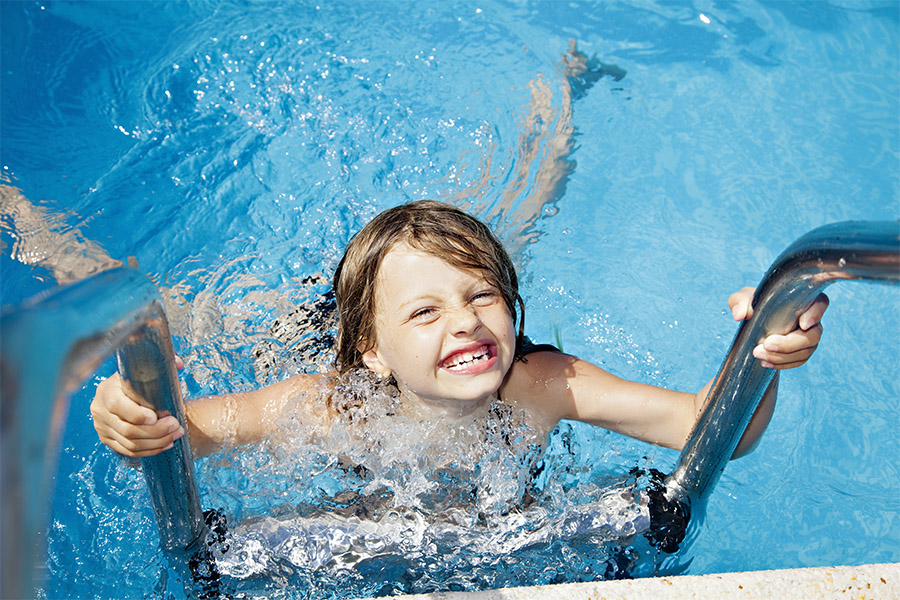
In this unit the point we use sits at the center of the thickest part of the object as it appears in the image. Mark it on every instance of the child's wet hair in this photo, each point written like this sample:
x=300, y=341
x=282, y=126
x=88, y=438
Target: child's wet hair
x=431, y=227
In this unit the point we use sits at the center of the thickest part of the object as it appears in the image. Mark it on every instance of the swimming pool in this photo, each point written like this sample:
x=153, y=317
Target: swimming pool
x=232, y=148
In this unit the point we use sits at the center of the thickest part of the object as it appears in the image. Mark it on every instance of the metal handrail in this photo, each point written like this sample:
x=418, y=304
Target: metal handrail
x=49, y=346
x=851, y=250
x=53, y=343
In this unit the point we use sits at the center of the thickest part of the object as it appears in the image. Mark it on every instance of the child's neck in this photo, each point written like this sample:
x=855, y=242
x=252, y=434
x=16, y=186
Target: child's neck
x=413, y=406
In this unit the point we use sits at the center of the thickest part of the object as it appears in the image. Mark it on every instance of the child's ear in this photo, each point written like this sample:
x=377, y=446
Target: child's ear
x=372, y=360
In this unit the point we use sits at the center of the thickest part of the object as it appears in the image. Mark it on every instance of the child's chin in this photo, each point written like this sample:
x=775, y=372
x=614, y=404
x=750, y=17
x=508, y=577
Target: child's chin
x=483, y=396
x=471, y=401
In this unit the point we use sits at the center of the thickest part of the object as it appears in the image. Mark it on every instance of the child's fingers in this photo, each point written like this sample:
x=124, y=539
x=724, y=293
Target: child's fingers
x=782, y=360
x=741, y=307
x=784, y=366
x=788, y=351
x=784, y=351
x=740, y=303
x=140, y=440
x=114, y=398
x=138, y=447
x=798, y=339
x=814, y=313
x=130, y=411
x=164, y=427
x=128, y=427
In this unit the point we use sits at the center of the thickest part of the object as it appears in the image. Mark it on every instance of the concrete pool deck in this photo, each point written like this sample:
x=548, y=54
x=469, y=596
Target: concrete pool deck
x=865, y=582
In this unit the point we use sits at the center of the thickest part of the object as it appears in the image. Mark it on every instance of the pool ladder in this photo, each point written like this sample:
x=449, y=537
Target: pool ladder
x=53, y=342
x=858, y=251
x=49, y=346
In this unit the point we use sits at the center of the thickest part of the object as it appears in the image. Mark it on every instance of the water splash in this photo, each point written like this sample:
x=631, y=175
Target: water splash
x=418, y=501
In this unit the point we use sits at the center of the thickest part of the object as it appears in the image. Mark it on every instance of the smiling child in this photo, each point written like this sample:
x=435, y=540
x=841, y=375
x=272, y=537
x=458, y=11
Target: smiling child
x=428, y=301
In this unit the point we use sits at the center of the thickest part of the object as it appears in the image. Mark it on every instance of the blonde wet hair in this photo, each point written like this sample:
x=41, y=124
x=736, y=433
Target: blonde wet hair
x=431, y=227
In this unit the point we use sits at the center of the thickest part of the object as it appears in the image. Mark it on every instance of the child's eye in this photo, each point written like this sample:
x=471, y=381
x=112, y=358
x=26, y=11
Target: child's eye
x=423, y=314
x=484, y=298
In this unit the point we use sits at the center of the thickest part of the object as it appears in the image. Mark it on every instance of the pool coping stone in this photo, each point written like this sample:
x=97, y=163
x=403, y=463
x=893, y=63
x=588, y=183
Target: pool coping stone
x=864, y=582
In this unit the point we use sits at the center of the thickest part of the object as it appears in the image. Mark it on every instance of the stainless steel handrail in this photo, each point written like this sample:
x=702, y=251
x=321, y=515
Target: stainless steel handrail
x=49, y=346
x=863, y=251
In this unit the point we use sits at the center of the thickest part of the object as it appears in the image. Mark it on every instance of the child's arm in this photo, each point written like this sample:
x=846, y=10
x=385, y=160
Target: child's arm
x=565, y=387
x=776, y=352
x=125, y=424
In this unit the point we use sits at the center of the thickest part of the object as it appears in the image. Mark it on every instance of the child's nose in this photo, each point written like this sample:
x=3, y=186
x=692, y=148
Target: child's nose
x=464, y=320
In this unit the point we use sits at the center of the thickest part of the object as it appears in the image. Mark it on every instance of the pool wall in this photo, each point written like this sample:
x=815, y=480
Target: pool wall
x=864, y=582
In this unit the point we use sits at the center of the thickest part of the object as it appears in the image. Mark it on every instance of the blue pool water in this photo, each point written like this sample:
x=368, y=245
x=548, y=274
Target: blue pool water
x=232, y=148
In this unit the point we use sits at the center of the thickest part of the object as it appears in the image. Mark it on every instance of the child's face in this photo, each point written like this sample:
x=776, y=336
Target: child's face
x=445, y=334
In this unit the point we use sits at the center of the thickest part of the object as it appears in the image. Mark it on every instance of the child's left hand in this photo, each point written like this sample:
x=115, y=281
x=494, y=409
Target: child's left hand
x=783, y=351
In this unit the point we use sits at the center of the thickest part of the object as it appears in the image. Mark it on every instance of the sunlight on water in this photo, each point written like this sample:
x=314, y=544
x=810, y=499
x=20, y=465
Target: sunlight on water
x=230, y=149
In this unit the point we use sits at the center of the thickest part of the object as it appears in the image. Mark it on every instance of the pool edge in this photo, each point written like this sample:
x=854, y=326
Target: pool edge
x=871, y=581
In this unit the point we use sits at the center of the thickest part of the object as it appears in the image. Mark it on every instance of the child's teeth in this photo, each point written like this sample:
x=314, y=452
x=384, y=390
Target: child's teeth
x=466, y=358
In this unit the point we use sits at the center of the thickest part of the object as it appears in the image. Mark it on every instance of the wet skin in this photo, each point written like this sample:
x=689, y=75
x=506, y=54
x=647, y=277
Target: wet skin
x=444, y=333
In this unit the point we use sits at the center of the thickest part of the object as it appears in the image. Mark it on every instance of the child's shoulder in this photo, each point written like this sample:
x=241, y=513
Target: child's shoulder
x=539, y=379
x=538, y=366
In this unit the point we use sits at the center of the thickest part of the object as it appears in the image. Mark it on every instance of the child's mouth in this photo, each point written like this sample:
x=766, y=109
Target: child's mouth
x=466, y=360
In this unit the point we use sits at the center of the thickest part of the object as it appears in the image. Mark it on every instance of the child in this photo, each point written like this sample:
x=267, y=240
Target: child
x=428, y=301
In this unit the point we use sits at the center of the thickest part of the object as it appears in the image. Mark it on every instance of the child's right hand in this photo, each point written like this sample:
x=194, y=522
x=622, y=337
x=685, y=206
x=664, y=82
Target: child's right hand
x=126, y=426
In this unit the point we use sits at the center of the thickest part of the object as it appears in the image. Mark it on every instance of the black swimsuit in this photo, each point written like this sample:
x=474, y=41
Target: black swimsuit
x=529, y=347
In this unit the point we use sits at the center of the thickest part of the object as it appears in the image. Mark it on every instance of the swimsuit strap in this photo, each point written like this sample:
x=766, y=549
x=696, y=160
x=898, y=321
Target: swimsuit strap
x=529, y=347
